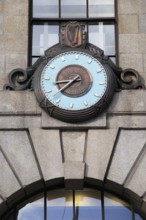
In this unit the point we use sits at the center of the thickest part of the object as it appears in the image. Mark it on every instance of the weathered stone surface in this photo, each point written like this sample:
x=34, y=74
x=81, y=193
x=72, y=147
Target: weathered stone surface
x=73, y=145
x=142, y=23
x=1, y=6
x=2, y=64
x=49, y=122
x=13, y=35
x=130, y=60
x=48, y=149
x=99, y=147
x=128, y=24
x=142, y=43
x=3, y=79
x=129, y=145
x=8, y=182
x=1, y=24
x=142, y=7
x=17, y=102
x=2, y=44
x=14, y=61
x=74, y=170
x=144, y=61
x=17, y=147
x=129, y=6
x=138, y=180
x=16, y=43
x=16, y=25
x=129, y=43
x=15, y=7
x=127, y=121
x=21, y=122
x=132, y=101
x=138, y=173
x=143, y=77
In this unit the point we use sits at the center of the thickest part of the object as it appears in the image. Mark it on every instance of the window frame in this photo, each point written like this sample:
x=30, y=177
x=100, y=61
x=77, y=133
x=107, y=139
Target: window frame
x=60, y=20
x=101, y=192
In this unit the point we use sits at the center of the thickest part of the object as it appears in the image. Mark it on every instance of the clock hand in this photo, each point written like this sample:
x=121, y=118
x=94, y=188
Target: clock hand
x=65, y=86
x=65, y=81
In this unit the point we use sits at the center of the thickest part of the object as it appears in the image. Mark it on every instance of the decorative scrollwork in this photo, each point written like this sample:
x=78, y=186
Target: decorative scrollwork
x=18, y=80
x=131, y=79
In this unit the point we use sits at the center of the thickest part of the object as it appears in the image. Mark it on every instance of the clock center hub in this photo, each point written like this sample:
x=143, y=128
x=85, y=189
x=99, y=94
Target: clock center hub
x=78, y=78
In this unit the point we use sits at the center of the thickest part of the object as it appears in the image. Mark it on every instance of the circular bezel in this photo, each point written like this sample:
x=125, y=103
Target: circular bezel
x=90, y=108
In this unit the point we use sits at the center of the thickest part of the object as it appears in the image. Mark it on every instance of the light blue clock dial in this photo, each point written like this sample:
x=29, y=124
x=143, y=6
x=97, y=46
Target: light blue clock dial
x=74, y=80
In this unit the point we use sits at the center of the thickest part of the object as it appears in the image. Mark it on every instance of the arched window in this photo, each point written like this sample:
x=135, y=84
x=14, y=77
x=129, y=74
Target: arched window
x=46, y=17
x=87, y=204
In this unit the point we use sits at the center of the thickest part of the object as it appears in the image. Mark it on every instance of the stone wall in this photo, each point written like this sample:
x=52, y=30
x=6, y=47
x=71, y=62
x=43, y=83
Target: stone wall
x=13, y=36
x=109, y=151
x=132, y=35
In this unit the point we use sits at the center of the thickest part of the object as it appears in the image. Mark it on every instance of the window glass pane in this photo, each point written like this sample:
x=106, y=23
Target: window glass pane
x=73, y=9
x=88, y=205
x=45, y=8
x=100, y=8
x=103, y=35
x=59, y=205
x=34, y=59
x=116, y=209
x=33, y=210
x=137, y=217
x=44, y=36
x=113, y=59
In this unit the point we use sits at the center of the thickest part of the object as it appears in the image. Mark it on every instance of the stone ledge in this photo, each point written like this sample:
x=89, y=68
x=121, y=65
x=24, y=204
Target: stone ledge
x=20, y=122
x=25, y=103
x=127, y=121
x=17, y=102
x=128, y=101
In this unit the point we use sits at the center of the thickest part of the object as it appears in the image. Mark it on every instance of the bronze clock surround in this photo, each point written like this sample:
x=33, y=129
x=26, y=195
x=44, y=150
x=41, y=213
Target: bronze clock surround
x=74, y=38
x=68, y=115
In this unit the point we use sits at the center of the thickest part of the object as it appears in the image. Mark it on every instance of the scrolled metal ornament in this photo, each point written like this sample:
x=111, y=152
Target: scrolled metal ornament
x=130, y=79
x=18, y=79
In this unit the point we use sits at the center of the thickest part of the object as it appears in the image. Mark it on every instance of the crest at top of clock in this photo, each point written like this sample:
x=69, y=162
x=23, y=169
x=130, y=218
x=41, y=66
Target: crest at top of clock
x=73, y=35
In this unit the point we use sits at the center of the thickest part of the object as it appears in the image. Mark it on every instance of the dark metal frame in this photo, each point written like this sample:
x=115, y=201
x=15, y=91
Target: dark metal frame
x=60, y=20
x=76, y=115
x=13, y=214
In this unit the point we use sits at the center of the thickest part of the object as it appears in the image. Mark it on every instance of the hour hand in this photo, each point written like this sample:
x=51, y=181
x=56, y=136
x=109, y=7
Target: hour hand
x=66, y=81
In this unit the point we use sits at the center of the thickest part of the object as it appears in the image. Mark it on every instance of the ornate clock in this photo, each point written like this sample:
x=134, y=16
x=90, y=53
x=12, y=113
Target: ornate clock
x=74, y=81
x=74, y=86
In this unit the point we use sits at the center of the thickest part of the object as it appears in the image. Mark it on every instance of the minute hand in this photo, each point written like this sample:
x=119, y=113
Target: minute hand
x=65, y=81
x=65, y=86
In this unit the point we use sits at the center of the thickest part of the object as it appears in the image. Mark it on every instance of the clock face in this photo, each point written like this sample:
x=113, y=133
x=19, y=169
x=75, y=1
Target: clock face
x=74, y=81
